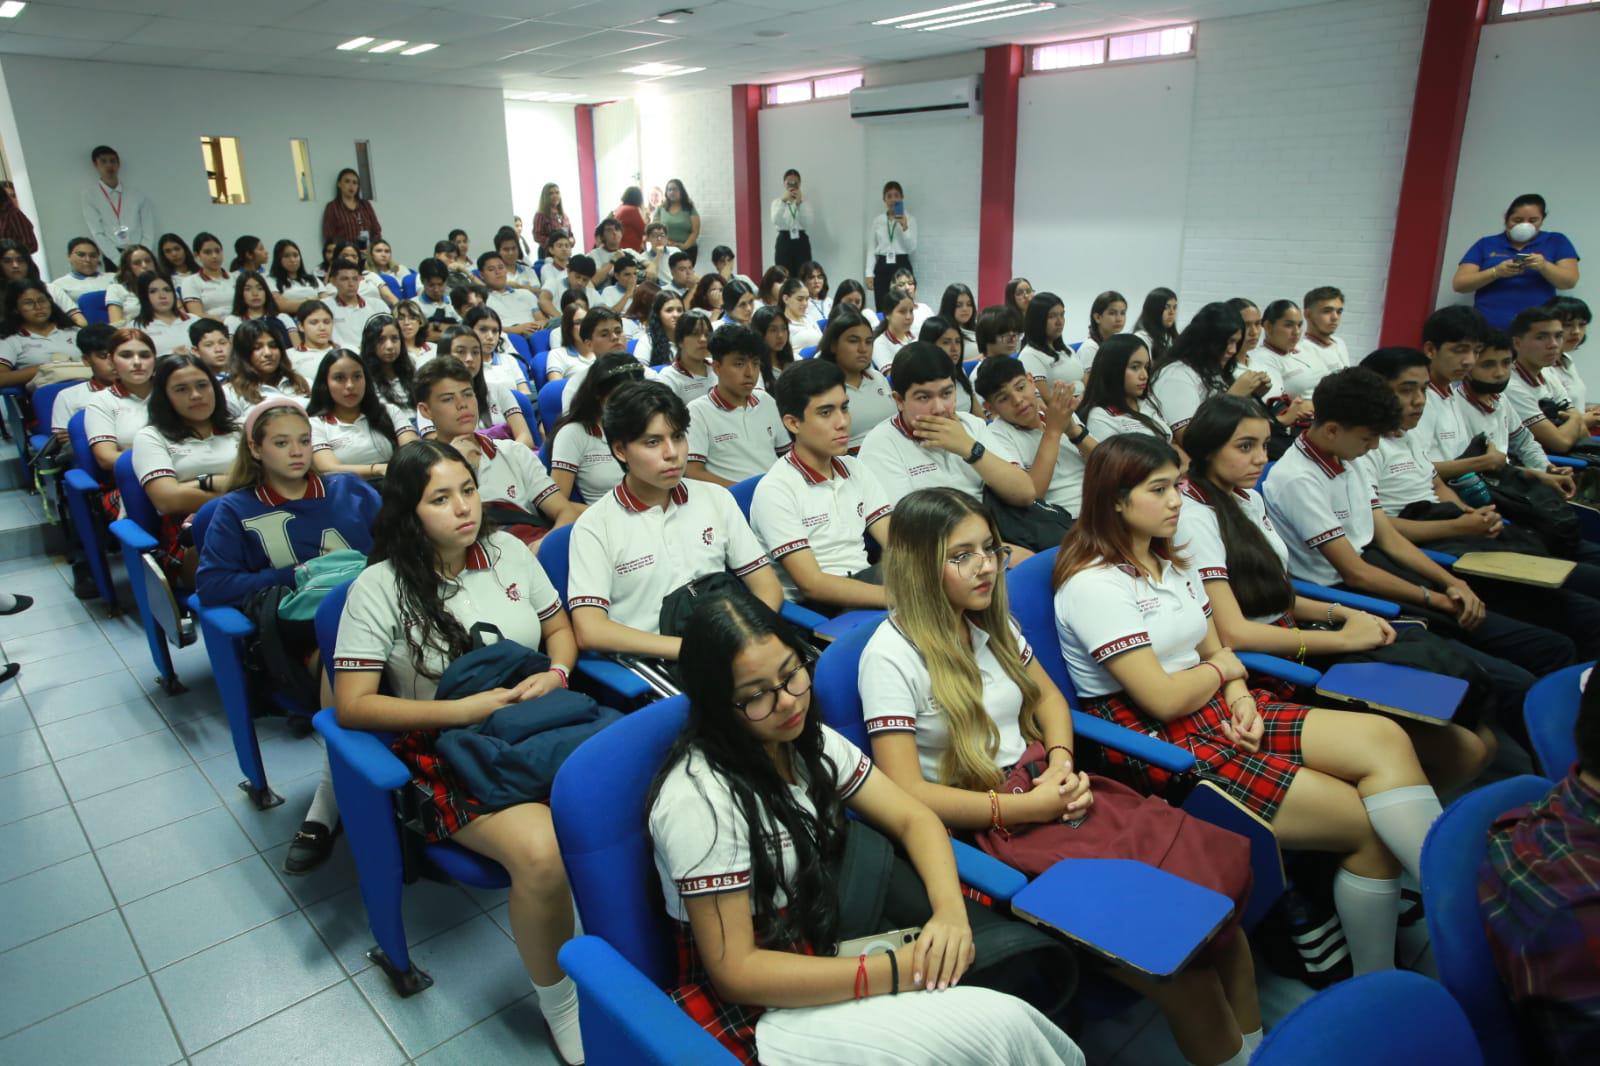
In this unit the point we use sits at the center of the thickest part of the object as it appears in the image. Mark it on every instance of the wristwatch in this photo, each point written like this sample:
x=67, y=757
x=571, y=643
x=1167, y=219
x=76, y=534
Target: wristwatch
x=205, y=482
x=976, y=453
x=1083, y=431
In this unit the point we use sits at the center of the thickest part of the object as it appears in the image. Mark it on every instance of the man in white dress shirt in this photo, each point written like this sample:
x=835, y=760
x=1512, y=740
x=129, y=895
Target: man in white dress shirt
x=116, y=215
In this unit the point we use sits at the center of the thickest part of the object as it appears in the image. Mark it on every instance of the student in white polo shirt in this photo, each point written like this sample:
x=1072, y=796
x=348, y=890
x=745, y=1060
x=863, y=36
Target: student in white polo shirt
x=576, y=277
x=84, y=277
x=894, y=332
x=654, y=532
x=657, y=256
x=35, y=328
x=434, y=575
x=1293, y=376
x=1043, y=437
x=518, y=308
x=1535, y=396
x=1202, y=363
x=1324, y=504
x=1324, y=311
x=689, y=374
x=598, y=332
x=433, y=296
x=1117, y=397
x=931, y=441
x=1452, y=337
x=113, y=416
x=1044, y=353
x=509, y=472
x=817, y=504
x=581, y=463
x=349, y=308
x=1482, y=407
x=211, y=286
x=209, y=339
x=353, y=431
x=553, y=275
x=847, y=343
x=501, y=365
x=1135, y=628
x=681, y=279
x=573, y=354
x=259, y=369
x=315, y=318
x=734, y=430
x=519, y=272
x=94, y=344
x=496, y=404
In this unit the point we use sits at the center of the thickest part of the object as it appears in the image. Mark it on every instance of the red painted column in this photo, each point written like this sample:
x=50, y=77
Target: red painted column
x=1428, y=183
x=588, y=182
x=1002, y=73
x=746, y=182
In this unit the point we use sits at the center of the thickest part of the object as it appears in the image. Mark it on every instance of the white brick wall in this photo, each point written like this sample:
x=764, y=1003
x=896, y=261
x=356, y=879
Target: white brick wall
x=690, y=137
x=1296, y=152
x=938, y=163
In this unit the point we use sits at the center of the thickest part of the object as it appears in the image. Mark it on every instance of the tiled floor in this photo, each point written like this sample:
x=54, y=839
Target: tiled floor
x=144, y=916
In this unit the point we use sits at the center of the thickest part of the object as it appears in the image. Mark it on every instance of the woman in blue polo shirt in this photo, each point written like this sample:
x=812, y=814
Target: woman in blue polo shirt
x=1522, y=266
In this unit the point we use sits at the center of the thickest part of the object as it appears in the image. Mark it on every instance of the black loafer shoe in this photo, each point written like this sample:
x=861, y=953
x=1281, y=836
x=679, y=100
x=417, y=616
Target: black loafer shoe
x=311, y=847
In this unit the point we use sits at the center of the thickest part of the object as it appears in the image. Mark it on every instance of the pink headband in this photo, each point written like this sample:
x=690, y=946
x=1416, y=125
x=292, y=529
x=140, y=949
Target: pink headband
x=274, y=404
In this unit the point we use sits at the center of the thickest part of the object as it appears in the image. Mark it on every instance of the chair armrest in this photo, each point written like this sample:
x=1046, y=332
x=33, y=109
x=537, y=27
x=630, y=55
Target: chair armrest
x=802, y=616
x=1444, y=559
x=1282, y=669
x=363, y=752
x=1565, y=460
x=132, y=535
x=1157, y=753
x=987, y=874
x=1370, y=604
x=227, y=621
x=614, y=676
x=80, y=481
x=626, y=1018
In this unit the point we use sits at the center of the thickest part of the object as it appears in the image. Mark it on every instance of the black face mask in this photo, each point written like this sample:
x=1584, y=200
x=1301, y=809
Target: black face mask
x=1484, y=388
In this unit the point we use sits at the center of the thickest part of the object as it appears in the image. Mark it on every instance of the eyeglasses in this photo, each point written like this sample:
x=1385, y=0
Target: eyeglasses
x=970, y=564
x=760, y=706
x=32, y=305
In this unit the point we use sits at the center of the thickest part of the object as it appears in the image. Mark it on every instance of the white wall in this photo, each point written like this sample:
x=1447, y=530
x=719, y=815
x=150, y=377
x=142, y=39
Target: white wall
x=1530, y=128
x=64, y=108
x=829, y=150
x=1090, y=214
x=1297, y=146
x=616, y=159
x=542, y=145
x=690, y=137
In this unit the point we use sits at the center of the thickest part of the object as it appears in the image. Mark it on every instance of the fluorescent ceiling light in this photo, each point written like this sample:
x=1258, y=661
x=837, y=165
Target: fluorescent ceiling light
x=1025, y=9
x=937, y=11
x=11, y=9
x=417, y=49
x=660, y=70
x=387, y=46
x=356, y=42
x=1008, y=11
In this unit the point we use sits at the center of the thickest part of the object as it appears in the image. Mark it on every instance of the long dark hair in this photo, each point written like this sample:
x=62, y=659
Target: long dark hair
x=243, y=248
x=399, y=539
x=1034, y=321
x=147, y=310
x=772, y=363
x=480, y=385
x=656, y=330
x=190, y=264
x=723, y=627
x=936, y=326
x=242, y=373
x=9, y=245
x=1255, y=573
x=1161, y=337
x=608, y=372
x=1115, y=468
x=1011, y=294
x=12, y=321
x=1101, y=302
x=1203, y=346
x=388, y=378
x=700, y=298
x=321, y=402
x=843, y=289
x=246, y=277
x=947, y=307
x=281, y=277
x=162, y=415
x=1107, y=386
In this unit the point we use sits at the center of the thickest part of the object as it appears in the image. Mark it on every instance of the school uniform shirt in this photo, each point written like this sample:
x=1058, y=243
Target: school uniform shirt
x=819, y=308
x=359, y=442
x=871, y=403
x=645, y=352
x=1065, y=368
x=429, y=308
x=25, y=348
x=902, y=465
x=421, y=357
x=1304, y=367
x=514, y=306
x=69, y=287
x=501, y=402
x=1333, y=351
x=1087, y=351
x=168, y=337
x=215, y=294
x=502, y=585
x=1178, y=393
x=1489, y=415
x=1201, y=536
x=884, y=349
x=349, y=321
x=828, y=512
x=1524, y=392
x=1020, y=447
x=736, y=442
x=701, y=838
x=566, y=362
x=1106, y=610
x=804, y=334
x=584, y=453
x=510, y=472
x=1565, y=374
x=118, y=295
x=373, y=287
x=257, y=537
x=897, y=695
x=627, y=557
x=1440, y=429
x=306, y=361
x=659, y=263
x=232, y=323
x=674, y=375
x=503, y=368
x=1314, y=498
x=1400, y=470
x=239, y=405
x=889, y=240
x=114, y=415
x=1106, y=422
x=298, y=290
x=155, y=456
x=70, y=400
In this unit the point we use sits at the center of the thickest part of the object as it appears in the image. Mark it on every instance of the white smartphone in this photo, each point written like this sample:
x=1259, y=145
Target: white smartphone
x=879, y=943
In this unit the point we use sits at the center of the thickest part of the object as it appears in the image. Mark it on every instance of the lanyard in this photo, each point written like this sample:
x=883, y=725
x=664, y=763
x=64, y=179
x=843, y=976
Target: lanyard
x=794, y=216
x=116, y=208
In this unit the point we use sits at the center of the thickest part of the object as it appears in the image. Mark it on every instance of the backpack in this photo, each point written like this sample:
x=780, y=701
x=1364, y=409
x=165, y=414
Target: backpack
x=63, y=366
x=315, y=579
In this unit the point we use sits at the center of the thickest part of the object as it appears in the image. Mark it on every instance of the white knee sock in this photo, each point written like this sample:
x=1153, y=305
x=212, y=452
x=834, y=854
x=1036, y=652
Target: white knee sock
x=324, y=808
x=1401, y=817
x=1368, y=909
x=559, y=1005
x=7, y=601
x=1252, y=1040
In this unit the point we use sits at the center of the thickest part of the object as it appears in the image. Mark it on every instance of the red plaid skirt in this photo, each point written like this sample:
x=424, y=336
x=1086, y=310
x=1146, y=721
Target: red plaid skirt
x=732, y=1024
x=442, y=803
x=169, y=551
x=1258, y=779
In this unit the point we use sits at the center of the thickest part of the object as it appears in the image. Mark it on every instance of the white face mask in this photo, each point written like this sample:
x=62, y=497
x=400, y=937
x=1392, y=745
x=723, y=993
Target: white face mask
x=1523, y=232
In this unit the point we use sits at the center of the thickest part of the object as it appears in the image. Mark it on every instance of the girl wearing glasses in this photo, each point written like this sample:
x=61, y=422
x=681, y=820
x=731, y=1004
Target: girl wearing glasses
x=34, y=328
x=579, y=454
x=1135, y=627
x=964, y=718
x=747, y=818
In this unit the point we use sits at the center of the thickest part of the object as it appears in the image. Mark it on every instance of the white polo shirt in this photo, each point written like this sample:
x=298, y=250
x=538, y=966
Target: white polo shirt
x=1526, y=390
x=1304, y=367
x=1335, y=354
x=674, y=375
x=1400, y=470
x=1201, y=537
x=1106, y=422
x=168, y=337
x=587, y=457
x=1065, y=368
x=1276, y=365
x=70, y=400
x=566, y=361
x=349, y=321
x=306, y=361
x=298, y=290
x=1020, y=447
x=627, y=557
x=885, y=348
x=359, y=442
x=804, y=334
x=871, y=402
x=429, y=308
x=1106, y=610
x=239, y=406
x=114, y=415
x=897, y=695
x=701, y=836
x=644, y=351
x=1178, y=393
x=127, y=300
x=502, y=585
x=736, y=442
x=1570, y=381
x=154, y=456
x=1491, y=416
x=797, y=507
x=1443, y=434
x=215, y=294
x=902, y=465
x=25, y=348
x=514, y=306
x=501, y=404
x=69, y=287
x=503, y=368
x=1313, y=499
x=510, y=472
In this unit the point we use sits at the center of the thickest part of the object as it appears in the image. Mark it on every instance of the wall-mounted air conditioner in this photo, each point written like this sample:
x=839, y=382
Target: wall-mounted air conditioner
x=949, y=98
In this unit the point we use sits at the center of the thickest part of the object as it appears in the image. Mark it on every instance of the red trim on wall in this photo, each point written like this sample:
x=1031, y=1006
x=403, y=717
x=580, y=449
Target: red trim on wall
x=1002, y=73
x=588, y=182
x=746, y=180
x=1433, y=150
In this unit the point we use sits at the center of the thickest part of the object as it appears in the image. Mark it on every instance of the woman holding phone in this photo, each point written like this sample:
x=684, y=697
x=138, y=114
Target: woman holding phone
x=893, y=239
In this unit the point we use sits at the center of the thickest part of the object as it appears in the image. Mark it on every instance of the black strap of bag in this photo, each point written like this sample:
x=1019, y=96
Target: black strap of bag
x=1038, y=527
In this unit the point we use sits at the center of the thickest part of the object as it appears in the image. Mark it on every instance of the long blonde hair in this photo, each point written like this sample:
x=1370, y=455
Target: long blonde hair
x=544, y=197
x=913, y=565
x=247, y=472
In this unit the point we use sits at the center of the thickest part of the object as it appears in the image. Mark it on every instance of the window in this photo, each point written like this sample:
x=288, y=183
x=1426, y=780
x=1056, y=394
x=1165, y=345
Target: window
x=364, y=170
x=224, y=170
x=301, y=153
x=1512, y=8
x=823, y=88
x=1170, y=42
